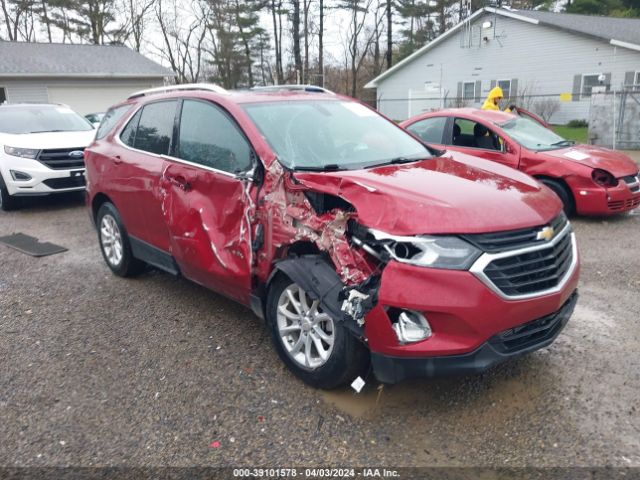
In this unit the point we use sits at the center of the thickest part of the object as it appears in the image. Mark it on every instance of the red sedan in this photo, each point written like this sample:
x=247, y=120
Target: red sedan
x=589, y=180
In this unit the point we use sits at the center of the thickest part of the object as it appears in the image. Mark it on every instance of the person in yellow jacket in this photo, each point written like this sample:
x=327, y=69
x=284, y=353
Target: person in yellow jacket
x=493, y=101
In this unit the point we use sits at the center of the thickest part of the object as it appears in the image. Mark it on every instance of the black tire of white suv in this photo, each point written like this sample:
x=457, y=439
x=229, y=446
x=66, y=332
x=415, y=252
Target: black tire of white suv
x=295, y=320
x=114, y=243
x=7, y=202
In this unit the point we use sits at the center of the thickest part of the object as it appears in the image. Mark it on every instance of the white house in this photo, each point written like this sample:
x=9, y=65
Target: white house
x=88, y=78
x=536, y=57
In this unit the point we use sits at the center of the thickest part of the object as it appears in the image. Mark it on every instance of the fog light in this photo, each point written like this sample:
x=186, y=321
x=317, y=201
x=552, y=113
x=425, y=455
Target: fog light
x=20, y=176
x=411, y=326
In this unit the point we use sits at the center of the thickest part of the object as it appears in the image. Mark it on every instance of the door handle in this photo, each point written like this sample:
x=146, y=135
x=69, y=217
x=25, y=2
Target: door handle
x=180, y=182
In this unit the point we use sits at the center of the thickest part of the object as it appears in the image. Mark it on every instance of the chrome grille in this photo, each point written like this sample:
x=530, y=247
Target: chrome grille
x=514, y=239
x=59, y=159
x=530, y=271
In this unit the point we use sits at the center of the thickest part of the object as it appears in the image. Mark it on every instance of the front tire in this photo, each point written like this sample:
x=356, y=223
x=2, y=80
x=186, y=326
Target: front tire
x=563, y=193
x=316, y=348
x=7, y=202
x=114, y=243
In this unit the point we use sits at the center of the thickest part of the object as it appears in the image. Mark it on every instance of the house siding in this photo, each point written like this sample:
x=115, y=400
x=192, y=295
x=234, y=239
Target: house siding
x=543, y=60
x=92, y=94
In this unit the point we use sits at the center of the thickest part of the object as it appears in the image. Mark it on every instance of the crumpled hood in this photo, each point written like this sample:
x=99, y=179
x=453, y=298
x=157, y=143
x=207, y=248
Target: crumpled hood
x=618, y=164
x=455, y=193
x=48, y=140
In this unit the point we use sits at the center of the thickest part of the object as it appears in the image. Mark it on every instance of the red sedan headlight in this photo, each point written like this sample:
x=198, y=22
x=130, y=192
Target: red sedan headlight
x=604, y=178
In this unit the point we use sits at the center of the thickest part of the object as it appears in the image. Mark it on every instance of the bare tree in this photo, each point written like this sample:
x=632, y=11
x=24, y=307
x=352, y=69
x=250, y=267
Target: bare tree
x=546, y=107
x=138, y=13
x=359, y=39
x=182, y=45
x=295, y=32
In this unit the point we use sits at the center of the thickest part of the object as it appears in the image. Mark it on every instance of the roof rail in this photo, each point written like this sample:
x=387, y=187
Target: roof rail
x=184, y=86
x=293, y=88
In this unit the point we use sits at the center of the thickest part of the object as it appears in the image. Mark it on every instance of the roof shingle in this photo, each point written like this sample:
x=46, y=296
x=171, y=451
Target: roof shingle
x=622, y=29
x=75, y=60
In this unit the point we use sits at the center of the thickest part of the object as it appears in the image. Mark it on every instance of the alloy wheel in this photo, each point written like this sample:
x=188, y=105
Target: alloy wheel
x=111, y=240
x=307, y=333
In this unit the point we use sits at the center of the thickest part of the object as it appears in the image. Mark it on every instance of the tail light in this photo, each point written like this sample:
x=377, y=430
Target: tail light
x=604, y=178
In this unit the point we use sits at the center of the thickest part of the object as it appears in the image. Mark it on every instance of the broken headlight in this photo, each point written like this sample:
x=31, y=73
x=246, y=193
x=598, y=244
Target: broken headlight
x=447, y=252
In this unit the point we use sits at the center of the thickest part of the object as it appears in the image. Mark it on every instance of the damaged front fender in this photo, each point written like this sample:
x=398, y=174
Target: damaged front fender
x=319, y=279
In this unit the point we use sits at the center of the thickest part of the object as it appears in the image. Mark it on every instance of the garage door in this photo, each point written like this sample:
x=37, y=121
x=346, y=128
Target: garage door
x=91, y=99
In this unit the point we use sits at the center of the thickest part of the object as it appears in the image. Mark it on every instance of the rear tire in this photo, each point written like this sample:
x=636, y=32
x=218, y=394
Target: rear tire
x=563, y=193
x=334, y=356
x=114, y=243
x=7, y=202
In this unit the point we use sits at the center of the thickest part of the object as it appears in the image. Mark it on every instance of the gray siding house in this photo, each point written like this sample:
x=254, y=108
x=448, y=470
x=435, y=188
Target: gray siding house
x=88, y=78
x=535, y=57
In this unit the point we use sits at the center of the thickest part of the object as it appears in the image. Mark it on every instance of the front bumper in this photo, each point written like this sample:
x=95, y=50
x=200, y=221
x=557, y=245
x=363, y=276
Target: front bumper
x=44, y=180
x=503, y=346
x=599, y=201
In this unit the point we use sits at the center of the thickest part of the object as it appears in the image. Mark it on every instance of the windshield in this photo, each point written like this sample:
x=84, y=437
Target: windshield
x=41, y=118
x=533, y=136
x=332, y=135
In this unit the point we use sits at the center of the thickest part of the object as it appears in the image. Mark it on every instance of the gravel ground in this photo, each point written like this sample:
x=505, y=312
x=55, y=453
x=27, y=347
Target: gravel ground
x=99, y=370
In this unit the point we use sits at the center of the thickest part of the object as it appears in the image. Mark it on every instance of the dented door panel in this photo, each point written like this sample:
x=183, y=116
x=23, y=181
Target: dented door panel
x=208, y=216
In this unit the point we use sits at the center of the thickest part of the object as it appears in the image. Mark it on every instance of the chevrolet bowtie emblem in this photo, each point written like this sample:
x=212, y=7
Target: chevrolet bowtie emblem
x=546, y=234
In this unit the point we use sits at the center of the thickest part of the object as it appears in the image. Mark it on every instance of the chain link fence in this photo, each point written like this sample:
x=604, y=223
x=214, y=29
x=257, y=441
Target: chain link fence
x=613, y=114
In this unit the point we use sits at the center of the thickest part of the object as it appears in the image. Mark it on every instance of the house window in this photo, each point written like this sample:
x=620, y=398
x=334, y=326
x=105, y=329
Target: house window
x=505, y=85
x=637, y=79
x=588, y=82
x=469, y=91
x=3, y=95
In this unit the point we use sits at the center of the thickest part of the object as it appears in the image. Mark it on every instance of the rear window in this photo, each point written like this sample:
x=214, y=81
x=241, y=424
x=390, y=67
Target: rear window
x=110, y=119
x=23, y=119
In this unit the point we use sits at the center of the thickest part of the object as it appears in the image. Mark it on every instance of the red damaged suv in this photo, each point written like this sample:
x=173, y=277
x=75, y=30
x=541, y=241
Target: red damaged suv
x=355, y=241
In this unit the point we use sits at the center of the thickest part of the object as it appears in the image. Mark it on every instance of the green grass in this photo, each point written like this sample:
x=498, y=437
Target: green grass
x=579, y=135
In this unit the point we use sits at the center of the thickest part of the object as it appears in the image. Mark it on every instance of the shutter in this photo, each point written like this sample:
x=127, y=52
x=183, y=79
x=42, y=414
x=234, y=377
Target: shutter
x=478, y=90
x=577, y=85
x=629, y=78
x=607, y=81
x=513, y=94
x=459, y=91
x=493, y=84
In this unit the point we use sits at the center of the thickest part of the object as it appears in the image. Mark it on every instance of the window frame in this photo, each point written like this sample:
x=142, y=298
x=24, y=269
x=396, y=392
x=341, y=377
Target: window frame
x=140, y=107
x=503, y=145
x=510, y=83
x=444, y=129
x=584, y=96
x=173, y=150
x=247, y=174
x=464, y=84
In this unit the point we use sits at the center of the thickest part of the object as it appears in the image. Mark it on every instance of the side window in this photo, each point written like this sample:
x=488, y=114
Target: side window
x=112, y=117
x=467, y=133
x=210, y=138
x=128, y=135
x=429, y=130
x=155, y=127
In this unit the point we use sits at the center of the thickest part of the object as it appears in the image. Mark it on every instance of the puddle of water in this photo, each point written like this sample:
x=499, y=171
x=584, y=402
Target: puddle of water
x=354, y=404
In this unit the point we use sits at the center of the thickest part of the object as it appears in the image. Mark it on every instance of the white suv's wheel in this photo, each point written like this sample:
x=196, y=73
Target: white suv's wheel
x=317, y=348
x=7, y=202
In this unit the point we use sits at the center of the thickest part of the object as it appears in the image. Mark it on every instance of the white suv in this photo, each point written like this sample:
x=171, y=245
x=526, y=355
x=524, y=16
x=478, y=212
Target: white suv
x=41, y=151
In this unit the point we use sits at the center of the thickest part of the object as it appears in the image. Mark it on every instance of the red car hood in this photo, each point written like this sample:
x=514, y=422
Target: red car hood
x=461, y=194
x=618, y=164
